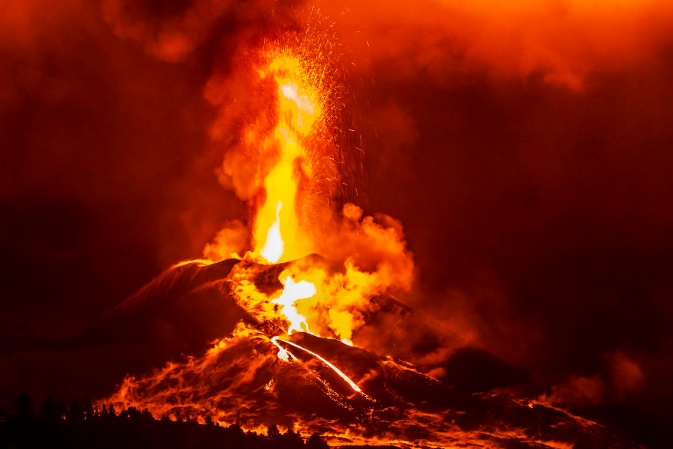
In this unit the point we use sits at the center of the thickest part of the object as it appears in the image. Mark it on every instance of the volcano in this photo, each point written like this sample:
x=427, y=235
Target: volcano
x=257, y=376
x=290, y=321
x=297, y=312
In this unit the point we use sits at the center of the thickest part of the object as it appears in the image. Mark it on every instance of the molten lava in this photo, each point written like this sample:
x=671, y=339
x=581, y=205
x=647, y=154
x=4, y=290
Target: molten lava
x=334, y=368
x=292, y=292
x=274, y=245
x=277, y=232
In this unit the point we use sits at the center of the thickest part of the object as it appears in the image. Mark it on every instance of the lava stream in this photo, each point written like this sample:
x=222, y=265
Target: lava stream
x=340, y=373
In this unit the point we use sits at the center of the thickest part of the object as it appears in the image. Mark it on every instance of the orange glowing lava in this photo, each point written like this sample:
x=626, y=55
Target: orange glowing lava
x=340, y=373
x=277, y=233
x=292, y=292
x=274, y=245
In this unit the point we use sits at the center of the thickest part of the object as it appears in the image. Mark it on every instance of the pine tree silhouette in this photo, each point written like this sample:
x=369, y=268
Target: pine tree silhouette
x=272, y=432
x=87, y=408
x=315, y=441
x=48, y=412
x=24, y=409
x=75, y=412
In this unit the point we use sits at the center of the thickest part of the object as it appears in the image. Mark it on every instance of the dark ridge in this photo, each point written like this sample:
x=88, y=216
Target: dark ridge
x=172, y=298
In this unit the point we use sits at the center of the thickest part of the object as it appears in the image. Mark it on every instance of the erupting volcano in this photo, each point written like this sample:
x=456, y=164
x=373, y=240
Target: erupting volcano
x=298, y=304
x=430, y=224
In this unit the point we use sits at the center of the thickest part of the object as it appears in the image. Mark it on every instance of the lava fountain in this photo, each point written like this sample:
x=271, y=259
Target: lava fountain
x=277, y=231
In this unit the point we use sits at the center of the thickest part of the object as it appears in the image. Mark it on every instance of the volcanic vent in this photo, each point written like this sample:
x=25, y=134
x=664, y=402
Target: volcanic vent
x=275, y=316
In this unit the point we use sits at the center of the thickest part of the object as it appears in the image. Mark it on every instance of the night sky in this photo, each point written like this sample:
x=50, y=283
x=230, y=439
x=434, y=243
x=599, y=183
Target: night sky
x=527, y=150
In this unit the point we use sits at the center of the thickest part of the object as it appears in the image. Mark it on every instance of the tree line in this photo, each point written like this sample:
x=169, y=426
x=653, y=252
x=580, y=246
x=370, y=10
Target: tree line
x=57, y=424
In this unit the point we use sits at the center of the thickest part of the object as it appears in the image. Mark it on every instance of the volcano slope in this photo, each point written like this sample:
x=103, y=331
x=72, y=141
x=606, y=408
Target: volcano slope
x=198, y=353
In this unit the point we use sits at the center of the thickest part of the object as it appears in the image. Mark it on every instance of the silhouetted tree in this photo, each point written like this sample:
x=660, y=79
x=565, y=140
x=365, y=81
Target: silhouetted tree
x=147, y=415
x=111, y=412
x=61, y=410
x=254, y=440
x=24, y=409
x=315, y=441
x=272, y=432
x=290, y=440
x=48, y=412
x=75, y=412
x=131, y=413
x=87, y=408
x=237, y=436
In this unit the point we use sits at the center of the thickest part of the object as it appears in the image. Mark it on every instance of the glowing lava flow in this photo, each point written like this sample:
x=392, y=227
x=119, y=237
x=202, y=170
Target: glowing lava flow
x=340, y=373
x=283, y=353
